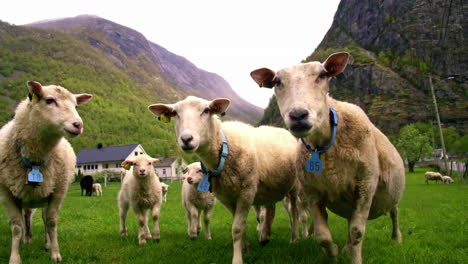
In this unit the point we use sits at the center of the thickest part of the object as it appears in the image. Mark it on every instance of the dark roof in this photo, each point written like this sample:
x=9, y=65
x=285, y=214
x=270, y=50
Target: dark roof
x=165, y=162
x=115, y=153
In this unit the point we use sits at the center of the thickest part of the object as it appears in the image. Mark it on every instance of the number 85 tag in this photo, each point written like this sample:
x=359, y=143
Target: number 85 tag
x=314, y=164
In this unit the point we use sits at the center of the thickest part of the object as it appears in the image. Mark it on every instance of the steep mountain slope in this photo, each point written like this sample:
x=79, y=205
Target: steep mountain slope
x=151, y=61
x=396, y=45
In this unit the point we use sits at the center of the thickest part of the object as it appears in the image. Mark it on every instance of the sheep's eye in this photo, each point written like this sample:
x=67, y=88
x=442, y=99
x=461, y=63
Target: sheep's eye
x=276, y=81
x=174, y=112
x=322, y=75
x=206, y=111
x=50, y=101
x=149, y=163
x=199, y=171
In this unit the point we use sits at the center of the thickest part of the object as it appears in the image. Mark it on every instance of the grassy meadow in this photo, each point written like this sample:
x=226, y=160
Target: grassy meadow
x=433, y=222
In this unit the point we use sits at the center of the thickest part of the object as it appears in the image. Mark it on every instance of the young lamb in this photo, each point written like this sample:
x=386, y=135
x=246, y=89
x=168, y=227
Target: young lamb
x=447, y=179
x=433, y=176
x=358, y=176
x=196, y=202
x=86, y=185
x=165, y=189
x=97, y=189
x=37, y=163
x=141, y=190
x=258, y=168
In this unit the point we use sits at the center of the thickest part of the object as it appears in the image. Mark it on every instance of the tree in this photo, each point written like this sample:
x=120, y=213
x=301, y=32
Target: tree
x=413, y=145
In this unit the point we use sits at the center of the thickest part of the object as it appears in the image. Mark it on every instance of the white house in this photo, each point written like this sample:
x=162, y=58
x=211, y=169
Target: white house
x=170, y=168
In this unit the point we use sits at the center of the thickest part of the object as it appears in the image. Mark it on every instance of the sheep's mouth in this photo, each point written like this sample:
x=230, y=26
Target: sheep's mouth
x=300, y=130
x=72, y=133
x=188, y=148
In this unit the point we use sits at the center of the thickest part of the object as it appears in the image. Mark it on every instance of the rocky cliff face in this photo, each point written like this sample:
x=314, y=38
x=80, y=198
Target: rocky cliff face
x=396, y=46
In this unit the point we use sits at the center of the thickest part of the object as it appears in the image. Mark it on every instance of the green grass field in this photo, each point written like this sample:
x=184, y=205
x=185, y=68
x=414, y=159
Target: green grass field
x=433, y=222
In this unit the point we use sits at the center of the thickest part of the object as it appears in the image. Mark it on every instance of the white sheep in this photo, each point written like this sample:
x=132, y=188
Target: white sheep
x=447, y=179
x=433, y=176
x=360, y=176
x=196, y=202
x=97, y=189
x=142, y=191
x=165, y=189
x=259, y=169
x=32, y=144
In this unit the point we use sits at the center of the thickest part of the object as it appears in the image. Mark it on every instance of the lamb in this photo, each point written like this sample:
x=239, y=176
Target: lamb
x=37, y=163
x=165, y=189
x=141, y=190
x=97, y=189
x=447, y=179
x=258, y=164
x=86, y=184
x=433, y=176
x=196, y=202
x=357, y=174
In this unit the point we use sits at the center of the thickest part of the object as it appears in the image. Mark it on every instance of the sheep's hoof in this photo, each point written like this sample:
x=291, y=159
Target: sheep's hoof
x=208, y=238
x=56, y=257
x=27, y=240
x=397, y=238
x=264, y=242
x=123, y=233
x=142, y=241
x=331, y=251
x=15, y=259
x=346, y=250
x=148, y=236
x=193, y=238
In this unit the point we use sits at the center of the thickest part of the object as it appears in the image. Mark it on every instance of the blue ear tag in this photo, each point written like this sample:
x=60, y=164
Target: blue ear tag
x=35, y=175
x=314, y=164
x=204, y=184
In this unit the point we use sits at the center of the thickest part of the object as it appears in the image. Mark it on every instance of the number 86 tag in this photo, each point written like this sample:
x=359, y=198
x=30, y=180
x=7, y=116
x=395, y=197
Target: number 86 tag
x=314, y=164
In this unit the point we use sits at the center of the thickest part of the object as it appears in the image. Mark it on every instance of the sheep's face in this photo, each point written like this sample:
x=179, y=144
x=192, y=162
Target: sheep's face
x=194, y=173
x=53, y=109
x=193, y=119
x=302, y=92
x=143, y=165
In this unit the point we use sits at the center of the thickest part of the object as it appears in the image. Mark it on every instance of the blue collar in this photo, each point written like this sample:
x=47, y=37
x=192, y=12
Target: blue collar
x=27, y=163
x=334, y=125
x=224, y=153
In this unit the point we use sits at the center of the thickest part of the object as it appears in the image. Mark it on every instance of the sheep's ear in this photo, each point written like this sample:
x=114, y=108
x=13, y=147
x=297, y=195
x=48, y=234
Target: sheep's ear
x=219, y=106
x=155, y=161
x=128, y=163
x=336, y=63
x=35, y=91
x=263, y=77
x=164, y=112
x=83, y=98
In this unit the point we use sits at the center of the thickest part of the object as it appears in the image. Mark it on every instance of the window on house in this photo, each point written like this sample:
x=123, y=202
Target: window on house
x=164, y=171
x=89, y=167
x=84, y=167
x=141, y=153
x=136, y=153
x=78, y=166
x=106, y=166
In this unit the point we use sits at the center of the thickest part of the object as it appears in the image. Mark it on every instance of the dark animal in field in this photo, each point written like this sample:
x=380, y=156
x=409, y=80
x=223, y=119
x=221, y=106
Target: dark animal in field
x=87, y=184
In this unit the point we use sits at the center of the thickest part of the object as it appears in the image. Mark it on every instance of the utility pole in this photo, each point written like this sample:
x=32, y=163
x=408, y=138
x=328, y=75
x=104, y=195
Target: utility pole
x=442, y=143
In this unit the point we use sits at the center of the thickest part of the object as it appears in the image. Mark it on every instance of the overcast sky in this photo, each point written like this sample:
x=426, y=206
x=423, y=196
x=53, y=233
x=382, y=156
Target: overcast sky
x=230, y=38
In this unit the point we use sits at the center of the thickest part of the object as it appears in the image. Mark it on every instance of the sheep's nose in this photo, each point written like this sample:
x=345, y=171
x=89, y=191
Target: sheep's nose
x=142, y=170
x=189, y=179
x=186, y=139
x=298, y=114
x=78, y=125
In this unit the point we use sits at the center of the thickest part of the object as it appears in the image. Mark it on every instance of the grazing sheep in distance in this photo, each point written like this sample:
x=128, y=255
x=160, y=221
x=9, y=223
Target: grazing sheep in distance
x=165, y=189
x=447, y=179
x=86, y=185
x=196, y=202
x=432, y=176
x=37, y=163
x=258, y=162
x=97, y=189
x=141, y=190
x=358, y=176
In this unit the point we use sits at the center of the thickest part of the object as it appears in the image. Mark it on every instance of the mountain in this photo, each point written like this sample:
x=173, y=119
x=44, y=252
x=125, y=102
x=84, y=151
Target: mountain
x=396, y=46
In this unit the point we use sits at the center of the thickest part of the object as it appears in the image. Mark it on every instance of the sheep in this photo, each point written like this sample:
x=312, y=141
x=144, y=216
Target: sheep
x=433, y=176
x=258, y=170
x=86, y=184
x=97, y=189
x=165, y=189
x=361, y=176
x=302, y=211
x=447, y=179
x=37, y=163
x=196, y=202
x=141, y=190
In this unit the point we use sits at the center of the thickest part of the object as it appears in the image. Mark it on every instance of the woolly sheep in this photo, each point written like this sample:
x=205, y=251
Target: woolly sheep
x=97, y=189
x=363, y=175
x=141, y=190
x=196, y=202
x=259, y=169
x=447, y=179
x=37, y=133
x=165, y=189
x=433, y=176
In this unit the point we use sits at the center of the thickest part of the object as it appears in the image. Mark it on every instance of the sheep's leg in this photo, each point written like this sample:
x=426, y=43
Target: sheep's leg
x=123, y=211
x=303, y=219
x=193, y=223
x=260, y=218
x=239, y=227
x=321, y=230
x=294, y=217
x=141, y=219
x=28, y=214
x=396, y=234
x=51, y=214
x=199, y=222
x=207, y=217
x=46, y=233
x=16, y=225
x=155, y=214
x=266, y=227
x=147, y=231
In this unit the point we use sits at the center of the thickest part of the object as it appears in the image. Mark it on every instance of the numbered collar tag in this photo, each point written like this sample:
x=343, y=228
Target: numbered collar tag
x=314, y=164
x=35, y=175
x=204, y=184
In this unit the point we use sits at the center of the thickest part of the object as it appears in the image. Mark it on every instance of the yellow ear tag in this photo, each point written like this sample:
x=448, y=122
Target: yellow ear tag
x=164, y=118
x=35, y=99
x=185, y=170
x=127, y=166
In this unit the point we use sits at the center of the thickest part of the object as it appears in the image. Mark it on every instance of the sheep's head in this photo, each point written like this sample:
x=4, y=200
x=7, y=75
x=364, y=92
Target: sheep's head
x=302, y=92
x=143, y=165
x=193, y=173
x=54, y=109
x=193, y=119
